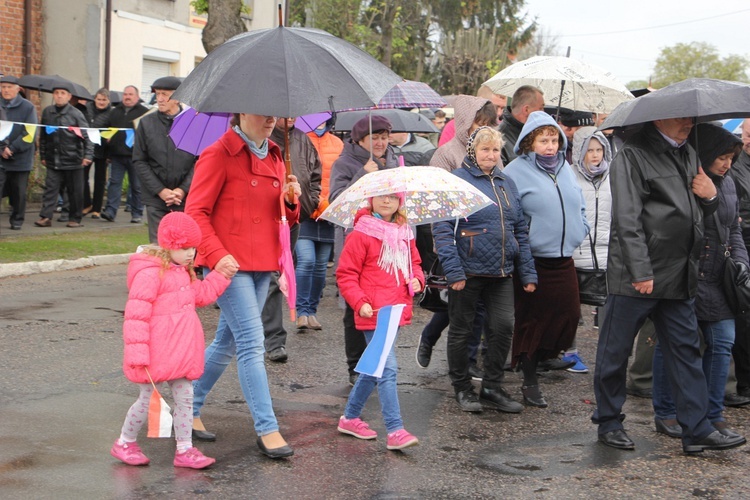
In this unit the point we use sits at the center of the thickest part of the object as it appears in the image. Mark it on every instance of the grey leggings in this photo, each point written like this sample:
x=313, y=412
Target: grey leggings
x=182, y=394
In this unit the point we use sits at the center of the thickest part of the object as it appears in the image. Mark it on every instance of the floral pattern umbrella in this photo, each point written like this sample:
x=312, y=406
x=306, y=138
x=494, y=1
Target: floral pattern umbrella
x=432, y=194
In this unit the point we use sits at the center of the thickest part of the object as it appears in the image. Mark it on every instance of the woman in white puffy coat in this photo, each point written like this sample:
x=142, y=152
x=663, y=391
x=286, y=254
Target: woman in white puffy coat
x=591, y=159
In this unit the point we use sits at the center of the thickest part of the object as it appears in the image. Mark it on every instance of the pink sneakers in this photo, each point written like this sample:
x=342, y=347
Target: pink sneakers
x=356, y=427
x=129, y=453
x=192, y=459
x=400, y=439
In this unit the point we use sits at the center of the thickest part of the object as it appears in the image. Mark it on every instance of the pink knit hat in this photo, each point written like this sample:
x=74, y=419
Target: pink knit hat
x=178, y=230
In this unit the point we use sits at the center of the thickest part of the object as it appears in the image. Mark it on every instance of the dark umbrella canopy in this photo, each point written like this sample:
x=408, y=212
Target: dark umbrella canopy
x=401, y=121
x=47, y=83
x=285, y=72
x=702, y=98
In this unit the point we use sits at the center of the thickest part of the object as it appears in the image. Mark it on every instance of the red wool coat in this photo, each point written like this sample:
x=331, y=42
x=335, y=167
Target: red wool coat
x=361, y=281
x=235, y=199
x=162, y=330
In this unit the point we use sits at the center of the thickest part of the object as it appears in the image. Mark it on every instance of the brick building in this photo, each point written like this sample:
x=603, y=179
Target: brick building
x=14, y=59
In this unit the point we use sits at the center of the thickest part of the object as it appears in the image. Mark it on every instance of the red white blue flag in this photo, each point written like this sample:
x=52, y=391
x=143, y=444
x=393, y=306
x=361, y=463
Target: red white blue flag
x=159, y=417
x=373, y=359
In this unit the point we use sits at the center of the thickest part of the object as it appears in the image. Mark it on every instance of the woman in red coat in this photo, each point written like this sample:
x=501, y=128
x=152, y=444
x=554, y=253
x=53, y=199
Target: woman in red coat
x=378, y=266
x=236, y=195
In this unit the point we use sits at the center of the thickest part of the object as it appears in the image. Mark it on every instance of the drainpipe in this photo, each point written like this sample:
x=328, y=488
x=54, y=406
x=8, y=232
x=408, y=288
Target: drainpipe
x=107, y=41
x=27, y=21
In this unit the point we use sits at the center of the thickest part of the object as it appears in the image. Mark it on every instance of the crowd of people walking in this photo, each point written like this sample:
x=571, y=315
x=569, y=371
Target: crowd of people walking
x=659, y=216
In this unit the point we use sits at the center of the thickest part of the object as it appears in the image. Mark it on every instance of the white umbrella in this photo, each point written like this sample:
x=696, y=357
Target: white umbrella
x=587, y=87
x=432, y=194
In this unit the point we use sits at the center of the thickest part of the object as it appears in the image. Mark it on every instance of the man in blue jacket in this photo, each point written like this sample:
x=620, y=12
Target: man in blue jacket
x=17, y=149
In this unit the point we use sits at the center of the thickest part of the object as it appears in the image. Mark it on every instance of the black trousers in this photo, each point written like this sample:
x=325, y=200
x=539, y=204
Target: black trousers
x=741, y=351
x=73, y=182
x=16, y=184
x=96, y=200
x=677, y=331
x=497, y=296
x=354, y=340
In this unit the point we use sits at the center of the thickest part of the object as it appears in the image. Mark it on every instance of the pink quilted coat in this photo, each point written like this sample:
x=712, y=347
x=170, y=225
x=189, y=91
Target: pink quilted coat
x=162, y=330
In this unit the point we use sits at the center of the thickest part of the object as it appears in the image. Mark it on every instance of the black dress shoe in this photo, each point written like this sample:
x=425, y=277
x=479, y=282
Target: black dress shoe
x=499, y=399
x=670, y=427
x=278, y=355
x=280, y=452
x=468, y=401
x=736, y=400
x=204, y=435
x=15, y=227
x=744, y=391
x=714, y=441
x=554, y=364
x=617, y=439
x=424, y=354
x=723, y=427
x=639, y=393
x=533, y=396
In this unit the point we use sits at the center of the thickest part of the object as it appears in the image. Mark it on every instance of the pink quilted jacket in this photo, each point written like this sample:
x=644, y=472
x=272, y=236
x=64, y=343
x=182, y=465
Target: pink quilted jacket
x=162, y=330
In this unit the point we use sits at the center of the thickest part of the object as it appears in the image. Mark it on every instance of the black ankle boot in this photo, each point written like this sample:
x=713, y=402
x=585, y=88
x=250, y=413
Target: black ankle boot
x=533, y=396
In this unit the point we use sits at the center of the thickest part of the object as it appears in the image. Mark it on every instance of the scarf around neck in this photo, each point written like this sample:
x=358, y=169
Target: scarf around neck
x=591, y=172
x=260, y=151
x=395, y=253
x=549, y=163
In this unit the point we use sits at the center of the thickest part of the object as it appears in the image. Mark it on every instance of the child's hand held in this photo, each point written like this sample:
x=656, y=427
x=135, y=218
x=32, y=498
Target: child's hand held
x=415, y=285
x=365, y=311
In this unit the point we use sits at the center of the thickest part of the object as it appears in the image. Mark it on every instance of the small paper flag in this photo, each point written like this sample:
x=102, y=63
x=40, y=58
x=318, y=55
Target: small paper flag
x=129, y=137
x=107, y=134
x=76, y=131
x=373, y=359
x=30, y=132
x=5, y=129
x=159, y=417
x=94, y=136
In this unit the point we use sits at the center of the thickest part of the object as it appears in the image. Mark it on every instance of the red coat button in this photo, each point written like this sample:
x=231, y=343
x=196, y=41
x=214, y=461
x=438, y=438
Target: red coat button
x=253, y=183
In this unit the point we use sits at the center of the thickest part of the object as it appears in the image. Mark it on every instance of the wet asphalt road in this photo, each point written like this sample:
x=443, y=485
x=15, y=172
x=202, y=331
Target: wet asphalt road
x=63, y=398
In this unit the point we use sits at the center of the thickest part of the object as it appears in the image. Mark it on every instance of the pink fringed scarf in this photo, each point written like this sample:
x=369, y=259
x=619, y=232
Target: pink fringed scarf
x=395, y=254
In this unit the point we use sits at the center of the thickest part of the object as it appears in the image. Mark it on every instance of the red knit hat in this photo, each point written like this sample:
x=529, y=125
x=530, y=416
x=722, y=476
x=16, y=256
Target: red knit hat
x=178, y=230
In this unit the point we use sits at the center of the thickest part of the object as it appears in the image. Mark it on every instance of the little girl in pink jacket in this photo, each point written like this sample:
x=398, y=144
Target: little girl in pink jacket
x=163, y=334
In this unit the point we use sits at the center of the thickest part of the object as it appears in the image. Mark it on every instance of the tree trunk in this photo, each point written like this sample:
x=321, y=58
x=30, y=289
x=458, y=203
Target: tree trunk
x=224, y=22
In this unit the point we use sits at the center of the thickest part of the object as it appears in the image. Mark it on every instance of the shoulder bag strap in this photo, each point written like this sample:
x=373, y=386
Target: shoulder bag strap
x=723, y=235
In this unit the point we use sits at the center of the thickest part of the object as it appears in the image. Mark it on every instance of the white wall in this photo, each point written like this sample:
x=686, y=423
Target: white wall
x=133, y=34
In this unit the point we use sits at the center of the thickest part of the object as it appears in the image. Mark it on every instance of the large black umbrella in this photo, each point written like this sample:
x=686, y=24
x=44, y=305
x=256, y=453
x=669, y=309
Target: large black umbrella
x=47, y=83
x=286, y=72
x=704, y=99
x=401, y=121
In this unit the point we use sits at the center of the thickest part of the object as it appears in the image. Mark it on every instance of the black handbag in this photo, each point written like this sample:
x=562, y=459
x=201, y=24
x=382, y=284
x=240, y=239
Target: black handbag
x=735, y=278
x=435, y=295
x=592, y=283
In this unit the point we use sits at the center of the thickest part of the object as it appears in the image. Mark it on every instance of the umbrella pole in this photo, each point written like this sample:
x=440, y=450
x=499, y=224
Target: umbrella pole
x=369, y=117
x=288, y=157
x=562, y=88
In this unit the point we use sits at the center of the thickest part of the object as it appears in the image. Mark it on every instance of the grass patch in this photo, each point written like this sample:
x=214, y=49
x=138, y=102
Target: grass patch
x=72, y=245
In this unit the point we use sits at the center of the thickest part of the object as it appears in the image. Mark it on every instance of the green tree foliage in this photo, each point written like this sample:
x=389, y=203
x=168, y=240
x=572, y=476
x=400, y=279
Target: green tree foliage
x=410, y=36
x=697, y=60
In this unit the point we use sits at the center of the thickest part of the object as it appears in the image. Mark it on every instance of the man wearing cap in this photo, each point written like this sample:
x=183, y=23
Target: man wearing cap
x=16, y=154
x=526, y=99
x=65, y=151
x=120, y=155
x=165, y=172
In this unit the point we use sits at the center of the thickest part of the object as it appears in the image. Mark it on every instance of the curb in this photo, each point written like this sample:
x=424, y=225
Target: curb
x=27, y=268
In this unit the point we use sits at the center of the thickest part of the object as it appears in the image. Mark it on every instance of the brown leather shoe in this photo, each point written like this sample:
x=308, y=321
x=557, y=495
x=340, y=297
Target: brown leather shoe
x=313, y=323
x=302, y=323
x=73, y=224
x=43, y=222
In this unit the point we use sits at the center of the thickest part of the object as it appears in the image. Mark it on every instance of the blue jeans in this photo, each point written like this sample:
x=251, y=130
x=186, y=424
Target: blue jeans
x=387, y=392
x=240, y=331
x=117, y=168
x=312, y=262
x=719, y=339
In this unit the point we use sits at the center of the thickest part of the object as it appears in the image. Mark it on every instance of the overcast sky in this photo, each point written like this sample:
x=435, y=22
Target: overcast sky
x=617, y=37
